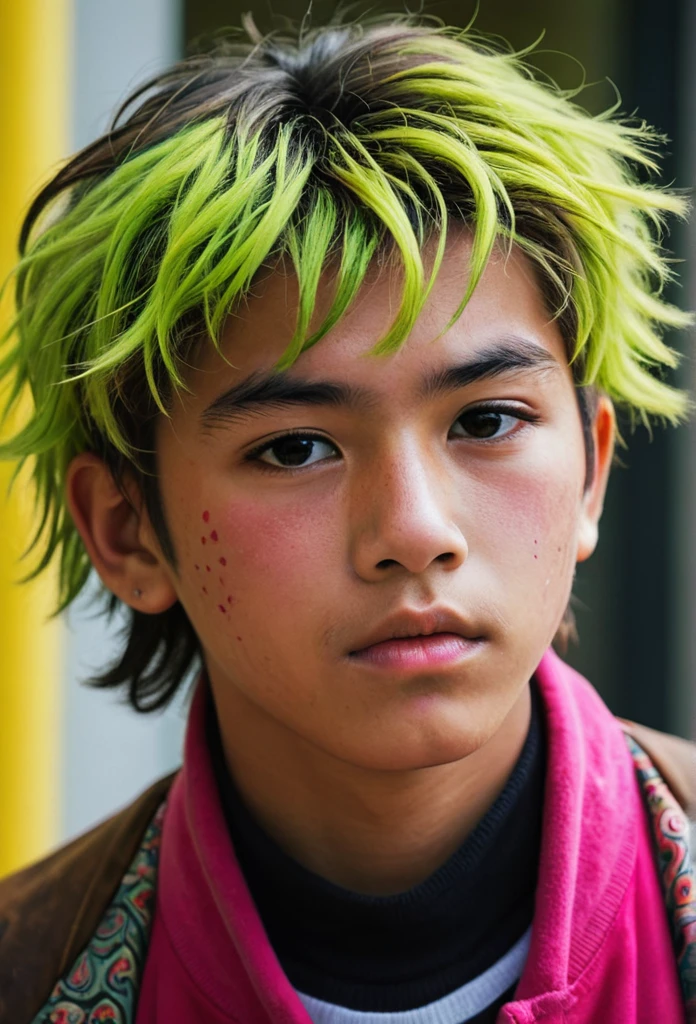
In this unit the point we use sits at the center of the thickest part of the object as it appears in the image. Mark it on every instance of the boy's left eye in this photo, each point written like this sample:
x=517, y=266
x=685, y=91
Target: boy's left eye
x=485, y=424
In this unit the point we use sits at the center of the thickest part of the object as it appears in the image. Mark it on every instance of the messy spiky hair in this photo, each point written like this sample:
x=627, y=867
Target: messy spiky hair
x=327, y=149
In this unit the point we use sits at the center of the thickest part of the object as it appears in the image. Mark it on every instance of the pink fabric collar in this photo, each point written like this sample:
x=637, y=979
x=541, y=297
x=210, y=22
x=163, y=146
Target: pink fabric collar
x=204, y=902
x=586, y=858
x=585, y=867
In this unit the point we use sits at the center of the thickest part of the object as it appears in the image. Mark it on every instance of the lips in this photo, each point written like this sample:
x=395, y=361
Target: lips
x=410, y=622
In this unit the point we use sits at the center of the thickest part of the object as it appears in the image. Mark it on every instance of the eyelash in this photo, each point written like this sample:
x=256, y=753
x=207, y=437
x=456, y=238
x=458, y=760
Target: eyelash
x=504, y=410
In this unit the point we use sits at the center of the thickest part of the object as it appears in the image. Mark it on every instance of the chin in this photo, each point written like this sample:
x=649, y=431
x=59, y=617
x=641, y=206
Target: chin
x=406, y=761
x=410, y=749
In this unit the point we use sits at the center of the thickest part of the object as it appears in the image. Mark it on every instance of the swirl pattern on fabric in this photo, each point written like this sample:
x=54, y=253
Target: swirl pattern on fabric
x=103, y=984
x=670, y=828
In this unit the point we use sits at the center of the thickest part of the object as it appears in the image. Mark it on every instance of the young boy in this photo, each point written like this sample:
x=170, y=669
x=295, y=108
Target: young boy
x=324, y=340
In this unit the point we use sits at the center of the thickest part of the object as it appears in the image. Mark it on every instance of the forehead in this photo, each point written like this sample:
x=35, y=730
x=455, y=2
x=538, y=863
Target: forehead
x=507, y=303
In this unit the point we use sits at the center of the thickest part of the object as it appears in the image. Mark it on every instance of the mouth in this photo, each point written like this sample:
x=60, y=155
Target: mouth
x=415, y=653
x=413, y=640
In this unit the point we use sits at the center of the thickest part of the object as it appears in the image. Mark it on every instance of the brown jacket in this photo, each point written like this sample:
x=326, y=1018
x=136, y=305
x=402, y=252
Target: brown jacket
x=50, y=910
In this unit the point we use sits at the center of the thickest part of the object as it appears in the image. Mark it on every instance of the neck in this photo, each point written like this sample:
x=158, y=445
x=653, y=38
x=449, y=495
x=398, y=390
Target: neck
x=373, y=832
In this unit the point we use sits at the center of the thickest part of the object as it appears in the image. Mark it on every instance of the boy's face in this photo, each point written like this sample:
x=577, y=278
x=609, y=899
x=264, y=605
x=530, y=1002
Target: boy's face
x=451, y=484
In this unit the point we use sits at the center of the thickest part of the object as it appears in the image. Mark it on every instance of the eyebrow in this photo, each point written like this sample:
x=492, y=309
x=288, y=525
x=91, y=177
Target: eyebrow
x=262, y=391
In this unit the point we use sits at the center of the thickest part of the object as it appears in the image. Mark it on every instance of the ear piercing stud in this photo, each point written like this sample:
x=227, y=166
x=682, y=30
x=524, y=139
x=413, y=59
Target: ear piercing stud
x=137, y=592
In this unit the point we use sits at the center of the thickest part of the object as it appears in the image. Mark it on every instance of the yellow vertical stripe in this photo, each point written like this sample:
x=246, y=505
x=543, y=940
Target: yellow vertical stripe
x=35, y=40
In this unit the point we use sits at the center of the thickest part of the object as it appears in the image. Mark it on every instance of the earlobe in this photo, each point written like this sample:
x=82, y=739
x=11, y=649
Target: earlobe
x=118, y=537
x=588, y=535
x=603, y=434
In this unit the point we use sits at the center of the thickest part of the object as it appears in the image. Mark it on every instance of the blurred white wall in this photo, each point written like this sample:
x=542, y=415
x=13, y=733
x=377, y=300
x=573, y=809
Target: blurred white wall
x=110, y=753
x=118, y=43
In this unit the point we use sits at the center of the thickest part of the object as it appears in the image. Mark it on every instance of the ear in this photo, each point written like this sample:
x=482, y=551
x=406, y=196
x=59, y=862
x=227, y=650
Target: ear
x=603, y=433
x=118, y=536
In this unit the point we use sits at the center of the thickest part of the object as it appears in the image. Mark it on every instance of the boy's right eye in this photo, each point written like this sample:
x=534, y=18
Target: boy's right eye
x=293, y=451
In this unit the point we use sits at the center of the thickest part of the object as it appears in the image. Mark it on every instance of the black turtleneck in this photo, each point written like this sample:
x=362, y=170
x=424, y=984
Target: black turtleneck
x=391, y=953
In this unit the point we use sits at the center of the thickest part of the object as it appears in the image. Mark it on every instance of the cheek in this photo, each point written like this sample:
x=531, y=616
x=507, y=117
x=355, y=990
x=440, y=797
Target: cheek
x=531, y=524
x=259, y=556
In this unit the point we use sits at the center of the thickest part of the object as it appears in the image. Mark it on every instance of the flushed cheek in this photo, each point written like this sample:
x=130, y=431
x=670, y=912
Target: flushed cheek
x=273, y=551
x=279, y=568
x=530, y=528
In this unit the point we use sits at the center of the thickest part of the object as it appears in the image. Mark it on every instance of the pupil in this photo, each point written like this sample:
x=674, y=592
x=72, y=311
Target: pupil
x=483, y=424
x=293, y=451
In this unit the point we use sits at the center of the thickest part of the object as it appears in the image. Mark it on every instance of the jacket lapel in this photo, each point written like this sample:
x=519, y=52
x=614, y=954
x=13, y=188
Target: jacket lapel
x=104, y=981
x=50, y=911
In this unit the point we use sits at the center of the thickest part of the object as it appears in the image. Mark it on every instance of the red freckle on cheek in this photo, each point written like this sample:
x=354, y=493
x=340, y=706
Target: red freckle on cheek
x=213, y=535
x=239, y=638
x=223, y=561
x=204, y=589
x=222, y=582
x=197, y=567
x=202, y=540
x=229, y=600
x=536, y=556
x=222, y=608
x=207, y=568
x=206, y=516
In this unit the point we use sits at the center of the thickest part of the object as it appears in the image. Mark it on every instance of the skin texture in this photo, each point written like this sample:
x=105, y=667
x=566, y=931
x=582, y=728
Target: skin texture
x=370, y=777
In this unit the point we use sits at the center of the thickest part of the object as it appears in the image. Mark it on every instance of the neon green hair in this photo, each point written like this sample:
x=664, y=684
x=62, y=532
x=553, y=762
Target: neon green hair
x=322, y=153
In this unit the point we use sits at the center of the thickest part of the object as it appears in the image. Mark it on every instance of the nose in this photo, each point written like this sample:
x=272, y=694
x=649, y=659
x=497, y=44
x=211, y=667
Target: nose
x=403, y=518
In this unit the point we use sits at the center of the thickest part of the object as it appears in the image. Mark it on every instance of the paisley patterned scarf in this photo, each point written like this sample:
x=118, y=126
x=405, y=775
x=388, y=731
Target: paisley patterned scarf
x=675, y=861
x=103, y=983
